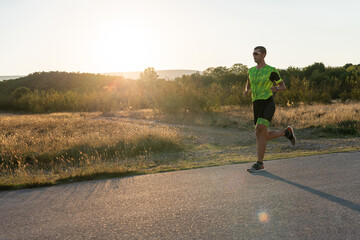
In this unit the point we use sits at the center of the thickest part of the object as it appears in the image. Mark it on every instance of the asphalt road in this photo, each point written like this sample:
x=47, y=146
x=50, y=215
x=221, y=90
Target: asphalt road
x=315, y=197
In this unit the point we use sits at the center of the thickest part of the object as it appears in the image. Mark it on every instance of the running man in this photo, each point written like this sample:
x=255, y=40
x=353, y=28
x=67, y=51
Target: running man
x=263, y=81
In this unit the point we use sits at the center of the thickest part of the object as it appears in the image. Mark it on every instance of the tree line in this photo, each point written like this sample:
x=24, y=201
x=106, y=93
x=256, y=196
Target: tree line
x=45, y=92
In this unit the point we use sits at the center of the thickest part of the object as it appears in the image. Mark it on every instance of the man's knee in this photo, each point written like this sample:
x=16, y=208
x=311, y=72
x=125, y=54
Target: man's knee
x=260, y=128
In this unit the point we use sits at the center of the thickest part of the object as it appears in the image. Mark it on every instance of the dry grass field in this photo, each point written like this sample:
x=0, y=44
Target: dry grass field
x=317, y=115
x=41, y=148
x=37, y=150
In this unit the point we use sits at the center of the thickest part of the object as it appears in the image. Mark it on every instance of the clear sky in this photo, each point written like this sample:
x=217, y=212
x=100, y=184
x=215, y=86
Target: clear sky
x=131, y=35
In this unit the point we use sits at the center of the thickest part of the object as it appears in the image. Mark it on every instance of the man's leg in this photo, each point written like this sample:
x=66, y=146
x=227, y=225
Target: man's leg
x=262, y=136
x=275, y=134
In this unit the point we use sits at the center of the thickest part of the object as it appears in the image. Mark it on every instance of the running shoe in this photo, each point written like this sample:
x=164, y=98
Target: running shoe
x=290, y=134
x=256, y=168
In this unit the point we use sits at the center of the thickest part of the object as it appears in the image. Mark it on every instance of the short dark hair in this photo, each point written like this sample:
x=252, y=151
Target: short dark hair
x=261, y=49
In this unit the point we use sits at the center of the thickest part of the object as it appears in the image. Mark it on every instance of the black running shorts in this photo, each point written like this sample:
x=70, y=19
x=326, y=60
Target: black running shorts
x=264, y=111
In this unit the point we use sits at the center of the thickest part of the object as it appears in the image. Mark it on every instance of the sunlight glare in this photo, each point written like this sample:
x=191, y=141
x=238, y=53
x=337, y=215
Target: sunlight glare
x=126, y=48
x=263, y=217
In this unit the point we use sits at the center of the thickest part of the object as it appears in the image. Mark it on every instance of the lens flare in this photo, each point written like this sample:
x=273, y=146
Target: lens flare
x=263, y=217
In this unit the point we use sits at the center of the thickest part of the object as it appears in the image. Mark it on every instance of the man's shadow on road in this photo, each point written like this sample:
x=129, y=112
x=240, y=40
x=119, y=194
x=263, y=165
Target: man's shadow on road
x=327, y=196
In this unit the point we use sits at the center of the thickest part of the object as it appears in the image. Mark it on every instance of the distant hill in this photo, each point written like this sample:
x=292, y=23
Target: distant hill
x=65, y=81
x=164, y=74
x=62, y=81
x=2, y=78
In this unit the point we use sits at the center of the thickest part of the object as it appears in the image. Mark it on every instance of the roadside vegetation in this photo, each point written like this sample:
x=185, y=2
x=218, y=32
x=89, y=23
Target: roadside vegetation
x=47, y=149
x=48, y=92
x=41, y=149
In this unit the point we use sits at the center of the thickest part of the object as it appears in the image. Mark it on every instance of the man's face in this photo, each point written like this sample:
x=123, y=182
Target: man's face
x=258, y=56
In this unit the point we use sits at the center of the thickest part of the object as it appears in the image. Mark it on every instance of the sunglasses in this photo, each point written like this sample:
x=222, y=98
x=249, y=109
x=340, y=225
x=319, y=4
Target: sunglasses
x=256, y=53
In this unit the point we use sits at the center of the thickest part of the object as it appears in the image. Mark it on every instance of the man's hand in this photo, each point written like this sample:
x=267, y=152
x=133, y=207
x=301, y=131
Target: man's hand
x=274, y=89
x=278, y=88
x=246, y=93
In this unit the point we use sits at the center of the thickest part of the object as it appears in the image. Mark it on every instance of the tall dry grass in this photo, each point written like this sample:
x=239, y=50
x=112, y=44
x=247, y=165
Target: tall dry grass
x=302, y=116
x=55, y=143
x=317, y=115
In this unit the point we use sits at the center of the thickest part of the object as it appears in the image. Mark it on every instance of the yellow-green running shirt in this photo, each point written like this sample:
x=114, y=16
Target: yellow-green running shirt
x=260, y=82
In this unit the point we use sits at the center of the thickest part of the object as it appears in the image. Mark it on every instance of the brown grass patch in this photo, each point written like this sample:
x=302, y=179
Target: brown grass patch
x=39, y=145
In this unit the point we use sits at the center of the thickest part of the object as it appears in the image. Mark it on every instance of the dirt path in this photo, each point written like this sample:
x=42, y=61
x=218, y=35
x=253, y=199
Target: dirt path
x=222, y=141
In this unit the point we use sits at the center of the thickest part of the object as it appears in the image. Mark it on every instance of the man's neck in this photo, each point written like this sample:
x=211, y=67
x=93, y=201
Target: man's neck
x=261, y=65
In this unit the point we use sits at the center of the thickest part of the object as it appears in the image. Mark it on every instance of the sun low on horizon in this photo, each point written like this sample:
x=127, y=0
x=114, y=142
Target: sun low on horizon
x=88, y=36
x=122, y=35
x=129, y=48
